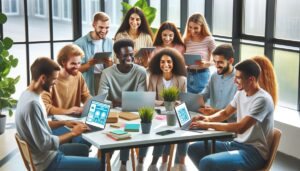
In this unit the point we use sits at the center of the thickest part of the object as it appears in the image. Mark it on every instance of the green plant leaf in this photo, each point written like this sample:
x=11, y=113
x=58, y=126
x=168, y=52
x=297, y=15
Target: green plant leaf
x=126, y=8
x=1, y=46
x=8, y=42
x=10, y=112
x=3, y=18
x=14, y=62
x=4, y=53
x=150, y=14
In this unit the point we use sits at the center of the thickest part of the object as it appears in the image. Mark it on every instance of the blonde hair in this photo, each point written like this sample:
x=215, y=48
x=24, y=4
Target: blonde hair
x=199, y=19
x=68, y=51
x=100, y=16
x=267, y=79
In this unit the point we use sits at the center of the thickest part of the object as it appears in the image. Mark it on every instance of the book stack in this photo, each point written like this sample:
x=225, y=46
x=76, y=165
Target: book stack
x=118, y=135
x=132, y=127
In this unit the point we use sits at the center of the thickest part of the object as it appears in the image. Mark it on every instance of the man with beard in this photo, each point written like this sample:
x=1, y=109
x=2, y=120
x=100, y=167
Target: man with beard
x=49, y=151
x=125, y=76
x=220, y=89
x=95, y=41
x=70, y=90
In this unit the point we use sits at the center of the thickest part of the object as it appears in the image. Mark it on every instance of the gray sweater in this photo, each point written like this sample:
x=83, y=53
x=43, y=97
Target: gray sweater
x=114, y=82
x=33, y=127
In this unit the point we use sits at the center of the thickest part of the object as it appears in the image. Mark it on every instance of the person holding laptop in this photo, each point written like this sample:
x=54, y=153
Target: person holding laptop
x=49, y=151
x=167, y=69
x=70, y=89
x=92, y=43
x=254, y=126
x=125, y=76
x=220, y=89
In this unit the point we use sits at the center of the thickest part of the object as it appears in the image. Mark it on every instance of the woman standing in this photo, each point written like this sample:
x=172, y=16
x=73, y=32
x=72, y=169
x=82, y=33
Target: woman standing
x=136, y=28
x=198, y=40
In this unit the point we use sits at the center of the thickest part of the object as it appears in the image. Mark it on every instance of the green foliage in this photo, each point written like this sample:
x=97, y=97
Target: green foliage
x=146, y=114
x=170, y=94
x=150, y=12
x=7, y=61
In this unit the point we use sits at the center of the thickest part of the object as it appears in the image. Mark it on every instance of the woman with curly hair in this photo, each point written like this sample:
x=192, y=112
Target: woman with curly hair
x=166, y=69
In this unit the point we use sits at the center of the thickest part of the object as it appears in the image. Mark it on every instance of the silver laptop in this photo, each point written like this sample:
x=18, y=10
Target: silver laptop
x=133, y=100
x=97, y=115
x=184, y=118
x=191, y=100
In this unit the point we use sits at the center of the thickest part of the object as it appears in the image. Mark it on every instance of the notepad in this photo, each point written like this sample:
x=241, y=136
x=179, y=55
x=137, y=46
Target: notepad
x=118, y=132
x=130, y=127
x=128, y=116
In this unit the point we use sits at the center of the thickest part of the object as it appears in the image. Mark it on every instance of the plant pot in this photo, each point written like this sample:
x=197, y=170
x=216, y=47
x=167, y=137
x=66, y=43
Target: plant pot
x=146, y=127
x=171, y=119
x=169, y=105
x=2, y=123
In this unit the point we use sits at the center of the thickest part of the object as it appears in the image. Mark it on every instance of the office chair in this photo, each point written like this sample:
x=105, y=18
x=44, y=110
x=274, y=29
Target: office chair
x=25, y=152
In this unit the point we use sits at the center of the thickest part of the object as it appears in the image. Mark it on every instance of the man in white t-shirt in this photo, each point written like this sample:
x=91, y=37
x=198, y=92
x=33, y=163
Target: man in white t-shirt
x=254, y=127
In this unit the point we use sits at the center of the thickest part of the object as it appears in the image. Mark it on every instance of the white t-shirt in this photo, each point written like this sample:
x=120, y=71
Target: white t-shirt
x=98, y=48
x=260, y=107
x=167, y=83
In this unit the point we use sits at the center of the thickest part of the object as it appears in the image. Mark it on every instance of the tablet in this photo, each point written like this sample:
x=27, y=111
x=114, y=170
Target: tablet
x=190, y=59
x=143, y=50
x=101, y=55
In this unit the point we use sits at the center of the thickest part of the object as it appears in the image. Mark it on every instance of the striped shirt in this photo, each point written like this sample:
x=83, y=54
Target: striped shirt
x=144, y=40
x=204, y=48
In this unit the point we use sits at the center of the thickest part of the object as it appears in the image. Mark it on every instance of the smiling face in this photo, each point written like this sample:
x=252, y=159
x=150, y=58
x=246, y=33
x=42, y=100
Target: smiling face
x=222, y=65
x=134, y=21
x=167, y=37
x=241, y=81
x=101, y=28
x=125, y=55
x=166, y=64
x=194, y=29
x=72, y=65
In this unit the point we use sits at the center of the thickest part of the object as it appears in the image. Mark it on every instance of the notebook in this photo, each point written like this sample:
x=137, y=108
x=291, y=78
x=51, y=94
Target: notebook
x=129, y=116
x=184, y=118
x=133, y=100
x=97, y=116
x=132, y=127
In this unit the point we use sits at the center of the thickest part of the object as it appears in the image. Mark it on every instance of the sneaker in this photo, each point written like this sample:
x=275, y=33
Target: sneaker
x=123, y=167
x=152, y=168
x=163, y=167
x=139, y=167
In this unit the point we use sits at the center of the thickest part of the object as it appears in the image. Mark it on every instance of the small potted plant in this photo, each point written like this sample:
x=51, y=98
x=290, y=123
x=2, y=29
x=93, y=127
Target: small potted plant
x=170, y=95
x=146, y=115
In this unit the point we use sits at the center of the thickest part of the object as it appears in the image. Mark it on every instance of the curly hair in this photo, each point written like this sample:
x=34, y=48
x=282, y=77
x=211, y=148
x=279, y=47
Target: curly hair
x=178, y=62
x=144, y=27
x=267, y=79
x=68, y=51
x=167, y=26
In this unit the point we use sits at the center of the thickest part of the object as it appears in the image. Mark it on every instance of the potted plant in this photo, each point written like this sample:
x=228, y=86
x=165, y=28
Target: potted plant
x=146, y=115
x=170, y=95
x=7, y=84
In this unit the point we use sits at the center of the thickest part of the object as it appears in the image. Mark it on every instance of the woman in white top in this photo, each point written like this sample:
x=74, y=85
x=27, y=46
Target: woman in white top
x=136, y=28
x=198, y=40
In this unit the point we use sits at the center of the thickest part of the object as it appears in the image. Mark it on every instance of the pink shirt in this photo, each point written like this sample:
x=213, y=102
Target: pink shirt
x=204, y=48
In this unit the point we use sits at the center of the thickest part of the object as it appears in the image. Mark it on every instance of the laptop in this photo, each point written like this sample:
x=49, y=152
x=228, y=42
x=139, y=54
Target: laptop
x=184, y=118
x=191, y=100
x=133, y=100
x=86, y=107
x=97, y=115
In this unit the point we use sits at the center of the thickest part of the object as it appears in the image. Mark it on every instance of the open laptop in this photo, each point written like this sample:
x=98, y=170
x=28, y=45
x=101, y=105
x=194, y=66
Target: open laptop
x=97, y=115
x=184, y=118
x=191, y=100
x=133, y=100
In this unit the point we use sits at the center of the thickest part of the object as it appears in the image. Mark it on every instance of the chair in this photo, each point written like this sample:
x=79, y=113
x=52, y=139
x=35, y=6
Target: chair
x=25, y=152
x=273, y=150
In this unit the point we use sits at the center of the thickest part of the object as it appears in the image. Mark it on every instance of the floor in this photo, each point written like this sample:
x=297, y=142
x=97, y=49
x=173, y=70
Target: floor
x=11, y=159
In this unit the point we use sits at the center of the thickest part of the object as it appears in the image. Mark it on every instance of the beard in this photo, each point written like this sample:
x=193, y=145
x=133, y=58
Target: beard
x=100, y=34
x=46, y=87
x=225, y=70
x=72, y=71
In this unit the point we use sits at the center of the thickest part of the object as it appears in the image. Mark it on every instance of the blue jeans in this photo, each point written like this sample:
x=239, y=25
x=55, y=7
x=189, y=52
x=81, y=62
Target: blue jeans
x=229, y=156
x=197, y=81
x=62, y=130
x=159, y=150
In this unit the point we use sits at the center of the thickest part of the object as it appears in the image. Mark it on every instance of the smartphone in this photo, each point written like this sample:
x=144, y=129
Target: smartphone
x=166, y=132
x=158, y=111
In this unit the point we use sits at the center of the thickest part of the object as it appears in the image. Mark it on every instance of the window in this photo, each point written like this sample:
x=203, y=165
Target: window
x=63, y=28
x=248, y=51
x=222, y=17
x=174, y=11
x=254, y=17
x=156, y=4
x=114, y=10
x=89, y=8
x=287, y=20
x=10, y=7
x=40, y=8
x=196, y=6
x=56, y=9
x=67, y=10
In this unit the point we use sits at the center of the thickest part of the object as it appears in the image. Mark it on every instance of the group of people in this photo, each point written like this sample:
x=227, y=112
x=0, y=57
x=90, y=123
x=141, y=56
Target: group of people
x=241, y=97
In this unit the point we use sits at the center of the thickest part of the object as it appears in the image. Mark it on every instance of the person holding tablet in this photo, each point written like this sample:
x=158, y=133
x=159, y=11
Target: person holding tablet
x=136, y=28
x=198, y=40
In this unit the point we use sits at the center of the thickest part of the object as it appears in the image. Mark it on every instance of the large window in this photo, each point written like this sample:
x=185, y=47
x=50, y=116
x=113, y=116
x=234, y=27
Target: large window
x=88, y=8
x=174, y=11
x=156, y=4
x=196, y=6
x=222, y=17
x=40, y=8
x=114, y=10
x=11, y=7
x=248, y=51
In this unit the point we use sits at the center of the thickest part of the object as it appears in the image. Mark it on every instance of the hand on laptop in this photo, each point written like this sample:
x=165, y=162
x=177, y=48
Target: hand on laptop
x=207, y=110
x=71, y=124
x=80, y=128
x=198, y=124
x=200, y=118
x=75, y=110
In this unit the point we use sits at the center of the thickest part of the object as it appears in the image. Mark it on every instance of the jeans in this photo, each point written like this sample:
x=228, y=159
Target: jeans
x=197, y=81
x=229, y=156
x=159, y=150
x=62, y=130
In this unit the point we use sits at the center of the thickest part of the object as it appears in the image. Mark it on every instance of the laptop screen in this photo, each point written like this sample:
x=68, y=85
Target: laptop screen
x=182, y=114
x=98, y=114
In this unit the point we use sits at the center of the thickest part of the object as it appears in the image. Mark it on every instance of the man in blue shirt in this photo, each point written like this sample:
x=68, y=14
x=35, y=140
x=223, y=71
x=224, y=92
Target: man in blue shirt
x=95, y=41
x=220, y=89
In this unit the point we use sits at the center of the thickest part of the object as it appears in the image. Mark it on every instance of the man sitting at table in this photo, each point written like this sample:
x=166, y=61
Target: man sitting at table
x=49, y=151
x=70, y=89
x=125, y=76
x=254, y=127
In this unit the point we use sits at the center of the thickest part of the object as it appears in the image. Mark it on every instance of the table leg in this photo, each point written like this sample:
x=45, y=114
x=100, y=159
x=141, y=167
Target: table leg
x=108, y=165
x=101, y=156
x=213, y=146
x=206, y=146
x=172, y=146
x=132, y=158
